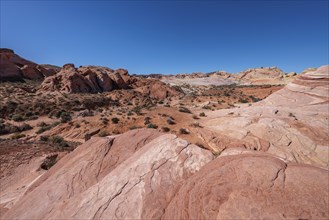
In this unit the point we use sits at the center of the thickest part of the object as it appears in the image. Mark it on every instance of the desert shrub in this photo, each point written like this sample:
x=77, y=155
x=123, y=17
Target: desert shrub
x=167, y=105
x=183, y=131
x=134, y=127
x=17, y=136
x=130, y=113
x=206, y=107
x=202, y=114
x=255, y=99
x=28, y=114
x=196, y=125
x=184, y=109
x=243, y=100
x=147, y=120
x=137, y=109
x=9, y=128
x=116, y=131
x=103, y=133
x=59, y=141
x=42, y=124
x=171, y=121
x=152, y=126
x=165, y=129
x=48, y=162
x=105, y=121
x=17, y=118
x=115, y=120
x=45, y=127
x=65, y=117
x=44, y=138
x=25, y=127
x=33, y=117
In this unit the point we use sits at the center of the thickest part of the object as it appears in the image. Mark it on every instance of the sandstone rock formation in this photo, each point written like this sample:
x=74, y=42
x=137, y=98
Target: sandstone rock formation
x=292, y=123
x=15, y=68
x=133, y=175
x=252, y=186
x=267, y=75
x=73, y=80
x=272, y=163
x=94, y=79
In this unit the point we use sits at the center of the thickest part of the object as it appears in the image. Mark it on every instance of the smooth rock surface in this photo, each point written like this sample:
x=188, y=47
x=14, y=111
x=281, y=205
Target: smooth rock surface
x=252, y=186
x=133, y=175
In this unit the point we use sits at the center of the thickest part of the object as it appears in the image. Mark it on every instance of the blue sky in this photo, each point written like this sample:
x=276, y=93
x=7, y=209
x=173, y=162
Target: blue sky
x=169, y=36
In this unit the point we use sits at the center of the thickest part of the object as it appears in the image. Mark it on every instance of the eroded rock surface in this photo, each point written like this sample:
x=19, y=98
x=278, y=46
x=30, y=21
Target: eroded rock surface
x=16, y=68
x=134, y=175
x=292, y=123
x=252, y=186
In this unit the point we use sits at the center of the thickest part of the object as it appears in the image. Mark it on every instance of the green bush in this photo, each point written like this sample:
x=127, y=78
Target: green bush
x=17, y=136
x=115, y=120
x=44, y=138
x=59, y=141
x=183, y=131
x=65, y=117
x=17, y=118
x=152, y=126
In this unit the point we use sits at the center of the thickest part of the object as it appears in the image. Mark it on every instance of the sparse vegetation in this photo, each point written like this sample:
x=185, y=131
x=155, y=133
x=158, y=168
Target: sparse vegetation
x=17, y=118
x=184, y=109
x=171, y=121
x=202, y=114
x=103, y=133
x=17, y=136
x=49, y=162
x=115, y=120
x=152, y=126
x=65, y=117
x=183, y=131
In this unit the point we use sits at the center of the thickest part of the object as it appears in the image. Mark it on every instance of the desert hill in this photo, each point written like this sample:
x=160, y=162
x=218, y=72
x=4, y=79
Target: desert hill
x=15, y=68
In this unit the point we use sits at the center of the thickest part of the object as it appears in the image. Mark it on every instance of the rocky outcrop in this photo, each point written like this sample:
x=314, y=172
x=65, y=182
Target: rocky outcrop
x=15, y=68
x=133, y=175
x=94, y=79
x=86, y=79
x=292, y=123
x=154, y=88
x=264, y=75
x=252, y=186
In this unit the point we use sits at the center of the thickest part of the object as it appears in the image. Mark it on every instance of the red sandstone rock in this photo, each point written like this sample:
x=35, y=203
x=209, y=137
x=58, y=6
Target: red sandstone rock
x=133, y=175
x=15, y=68
x=252, y=187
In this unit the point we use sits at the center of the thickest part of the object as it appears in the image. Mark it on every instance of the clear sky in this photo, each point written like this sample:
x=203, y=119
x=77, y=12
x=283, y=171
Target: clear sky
x=169, y=36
